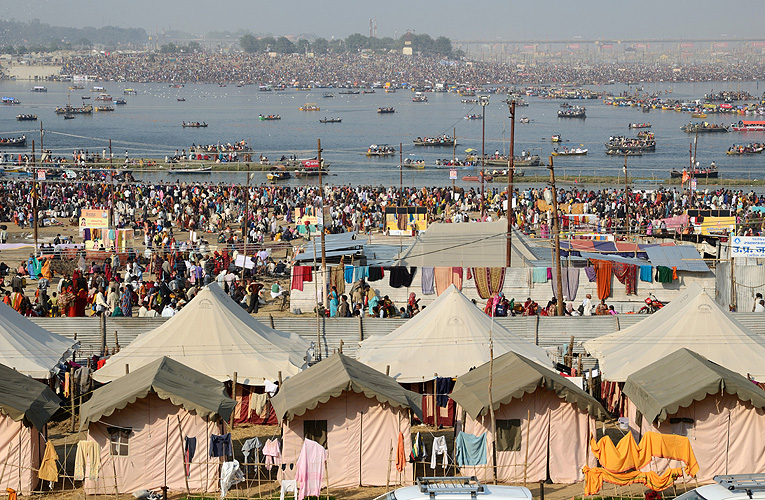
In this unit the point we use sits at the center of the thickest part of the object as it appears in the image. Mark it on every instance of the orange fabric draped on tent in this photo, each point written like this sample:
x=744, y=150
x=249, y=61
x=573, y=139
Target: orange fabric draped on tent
x=628, y=454
x=603, y=272
x=595, y=477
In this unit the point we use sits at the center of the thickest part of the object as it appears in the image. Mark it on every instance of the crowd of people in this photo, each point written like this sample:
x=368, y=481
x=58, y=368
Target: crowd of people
x=363, y=68
x=181, y=223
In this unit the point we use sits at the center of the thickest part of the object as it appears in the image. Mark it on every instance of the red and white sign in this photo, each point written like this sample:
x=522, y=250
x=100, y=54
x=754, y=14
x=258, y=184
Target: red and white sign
x=311, y=163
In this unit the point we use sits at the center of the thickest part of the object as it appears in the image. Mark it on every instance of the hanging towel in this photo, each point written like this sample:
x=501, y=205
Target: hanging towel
x=272, y=453
x=427, y=280
x=569, y=283
x=300, y=274
x=189, y=450
x=591, y=274
x=360, y=272
x=230, y=474
x=258, y=403
x=310, y=469
x=250, y=446
x=470, y=449
x=220, y=445
x=469, y=274
x=443, y=278
x=48, y=468
x=88, y=455
x=349, y=271
x=399, y=276
x=663, y=274
x=549, y=273
x=400, y=454
x=539, y=275
x=603, y=271
x=443, y=389
x=646, y=273
x=674, y=272
x=439, y=448
x=457, y=277
x=376, y=273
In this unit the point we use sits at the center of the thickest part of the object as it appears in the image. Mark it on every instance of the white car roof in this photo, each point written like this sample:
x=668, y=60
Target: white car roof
x=490, y=491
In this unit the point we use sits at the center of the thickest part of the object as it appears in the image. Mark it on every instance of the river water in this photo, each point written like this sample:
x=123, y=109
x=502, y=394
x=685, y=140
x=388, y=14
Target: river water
x=150, y=126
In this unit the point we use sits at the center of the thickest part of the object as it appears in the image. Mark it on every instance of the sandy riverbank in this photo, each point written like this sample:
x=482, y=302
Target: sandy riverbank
x=31, y=71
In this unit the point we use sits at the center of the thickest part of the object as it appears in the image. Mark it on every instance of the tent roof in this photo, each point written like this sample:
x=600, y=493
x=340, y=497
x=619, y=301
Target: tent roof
x=329, y=378
x=217, y=337
x=683, y=257
x=693, y=320
x=693, y=378
x=514, y=376
x=168, y=379
x=22, y=397
x=447, y=338
x=28, y=348
x=474, y=244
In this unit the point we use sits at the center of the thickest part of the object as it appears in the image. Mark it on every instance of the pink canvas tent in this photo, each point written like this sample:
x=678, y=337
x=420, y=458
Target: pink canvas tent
x=25, y=408
x=543, y=421
x=356, y=412
x=140, y=421
x=719, y=410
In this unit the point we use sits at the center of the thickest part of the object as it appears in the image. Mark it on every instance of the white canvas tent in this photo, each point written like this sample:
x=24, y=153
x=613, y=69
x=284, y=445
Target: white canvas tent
x=26, y=405
x=214, y=336
x=447, y=338
x=353, y=410
x=719, y=410
x=543, y=421
x=28, y=348
x=692, y=320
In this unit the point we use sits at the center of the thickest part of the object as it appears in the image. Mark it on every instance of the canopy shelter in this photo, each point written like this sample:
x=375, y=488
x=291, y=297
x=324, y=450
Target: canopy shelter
x=543, y=420
x=28, y=348
x=26, y=405
x=477, y=244
x=720, y=410
x=692, y=320
x=214, y=335
x=356, y=412
x=160, y=406
x=446, y=339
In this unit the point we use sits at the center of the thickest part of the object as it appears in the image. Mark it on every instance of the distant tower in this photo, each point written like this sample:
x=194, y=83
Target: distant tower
x=375, y=30
x=371, y=28
x=407, y=43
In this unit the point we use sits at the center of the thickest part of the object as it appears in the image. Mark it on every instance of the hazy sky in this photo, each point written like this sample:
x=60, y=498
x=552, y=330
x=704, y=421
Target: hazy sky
x=457, y=19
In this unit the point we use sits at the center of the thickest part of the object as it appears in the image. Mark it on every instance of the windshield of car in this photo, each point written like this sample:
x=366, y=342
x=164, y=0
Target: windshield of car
x=388, y=496
x=690, y=495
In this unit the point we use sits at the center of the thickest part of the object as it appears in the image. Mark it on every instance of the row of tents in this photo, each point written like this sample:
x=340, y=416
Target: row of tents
x=685, y=370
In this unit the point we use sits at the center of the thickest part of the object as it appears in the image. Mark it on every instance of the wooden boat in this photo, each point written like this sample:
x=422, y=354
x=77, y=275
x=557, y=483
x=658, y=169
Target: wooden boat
x=640, y=125
x=181, y=99
x=76, y=87
x=419, y=97
x=477, y=178
x=574, y=112
x=98, y=89
x=13, y=142
x=104, y=108
x=72, y=110
x=741, y=126
x=310, y=172
x=191, y=170
x=68, y=116
x=129, y=92
x=277, y=175
x=524, y=119
x=381, y=150
x=390, y=90
x=104, y=97
x=328, y=94
x=349, y=92
x=474, y=117
x=269, y=117
x=309, y=107
x=556, y=138
x=10, y=101
x=26, y=118
x=38, y=88
x=85, y=97
x=120, y=101
x=624, y=152
x=385, y=110
x=703, y=128
x=368, y=91
x=749, y=149
x=698, y=115
x=698, y=173
x=443, y=140
x=570, y=152
x=469, y=101
x=331, y=120
x=194, y=125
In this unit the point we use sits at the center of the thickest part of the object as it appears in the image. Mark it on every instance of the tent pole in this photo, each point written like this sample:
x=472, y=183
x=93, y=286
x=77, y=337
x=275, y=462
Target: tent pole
x=167, y=435
x=185, y=476
x=528, y=442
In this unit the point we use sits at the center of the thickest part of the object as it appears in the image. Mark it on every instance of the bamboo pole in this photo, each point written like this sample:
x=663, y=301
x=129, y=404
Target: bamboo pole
x=185, y=476
x=528, y=443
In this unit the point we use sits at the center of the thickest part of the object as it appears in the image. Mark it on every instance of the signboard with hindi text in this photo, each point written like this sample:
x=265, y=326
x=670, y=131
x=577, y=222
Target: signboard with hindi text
x=748, y=246
x=94, y=218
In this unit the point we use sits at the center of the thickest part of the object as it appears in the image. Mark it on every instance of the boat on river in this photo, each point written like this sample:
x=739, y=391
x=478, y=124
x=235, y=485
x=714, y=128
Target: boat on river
x=26, y=118
x=442, y=140
x=473, y=117
x=703, y=128
x=202, y=169
x=104, y=108
x=748, y=149
x=194, y=125
x=104, y=97
x=278, y=175
x=74, y=110
x=331, y=120
x=745, y=126
x=419, y=97
x=381, y=150
x=120, y=101
x=556, y=138
x=573, y=112
x=709, y=172
x=269, y=117
x=309, y=106
x=624, y=152
x=13, y=142
x=385, y=110
x=569, y=152
x=129, y=92
x=640, y=125
x=349, y=92
x=10, y=101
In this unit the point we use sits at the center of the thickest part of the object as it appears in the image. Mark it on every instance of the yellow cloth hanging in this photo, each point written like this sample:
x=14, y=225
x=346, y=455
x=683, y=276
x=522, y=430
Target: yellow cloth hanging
x=628, y=455
x=48, y=467
x=595, y=477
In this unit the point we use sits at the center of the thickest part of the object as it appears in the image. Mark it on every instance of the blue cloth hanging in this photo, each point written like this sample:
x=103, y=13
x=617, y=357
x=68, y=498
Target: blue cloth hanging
x=646, y=273
x=349, y=272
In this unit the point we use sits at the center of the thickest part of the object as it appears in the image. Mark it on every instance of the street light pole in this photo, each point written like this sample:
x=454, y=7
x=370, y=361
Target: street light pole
x=483, y=101
x=556, y=229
